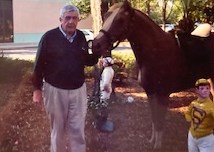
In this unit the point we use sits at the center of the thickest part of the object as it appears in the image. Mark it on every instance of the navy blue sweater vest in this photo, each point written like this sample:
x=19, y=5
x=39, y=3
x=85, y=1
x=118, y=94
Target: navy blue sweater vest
x=61, y=63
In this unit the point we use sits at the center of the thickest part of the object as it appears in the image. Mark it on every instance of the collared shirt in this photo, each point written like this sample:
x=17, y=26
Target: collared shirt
x=201, y=115
x=69, y=38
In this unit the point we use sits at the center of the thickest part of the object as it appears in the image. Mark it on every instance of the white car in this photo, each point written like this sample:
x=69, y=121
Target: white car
x=168, y=27
x=89, y=35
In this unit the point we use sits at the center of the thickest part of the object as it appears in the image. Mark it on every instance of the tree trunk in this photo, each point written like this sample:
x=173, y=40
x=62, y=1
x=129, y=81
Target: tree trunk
x=96, y=15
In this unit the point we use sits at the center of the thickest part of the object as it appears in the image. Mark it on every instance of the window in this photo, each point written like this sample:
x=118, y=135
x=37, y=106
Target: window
x=6, y=21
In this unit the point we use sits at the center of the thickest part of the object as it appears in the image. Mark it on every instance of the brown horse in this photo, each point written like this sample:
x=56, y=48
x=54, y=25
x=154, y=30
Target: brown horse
x=166, y=66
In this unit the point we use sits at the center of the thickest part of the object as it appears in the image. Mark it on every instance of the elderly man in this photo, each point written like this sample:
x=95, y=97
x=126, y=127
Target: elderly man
x=59, y=69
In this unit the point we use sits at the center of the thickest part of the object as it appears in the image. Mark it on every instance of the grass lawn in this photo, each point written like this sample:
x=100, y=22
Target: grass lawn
x=12, y=72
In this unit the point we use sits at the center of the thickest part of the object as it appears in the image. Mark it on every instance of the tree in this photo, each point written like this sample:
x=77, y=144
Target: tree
x=199, y=10
x=96, y=15
x=209, y=11
x=84, y=7
x=161, y=11
x=166, y=9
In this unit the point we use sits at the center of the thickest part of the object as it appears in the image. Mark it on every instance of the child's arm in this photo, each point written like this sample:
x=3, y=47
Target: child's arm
x=188, y=113
x=212, y=109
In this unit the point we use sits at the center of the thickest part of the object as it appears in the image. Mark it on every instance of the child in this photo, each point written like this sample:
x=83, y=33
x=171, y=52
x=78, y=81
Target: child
x=105, y=93
x=200, y=114
x=106, y=78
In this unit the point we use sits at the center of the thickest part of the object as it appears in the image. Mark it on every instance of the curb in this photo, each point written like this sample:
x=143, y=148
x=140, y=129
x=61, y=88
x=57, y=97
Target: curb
x=10, y=46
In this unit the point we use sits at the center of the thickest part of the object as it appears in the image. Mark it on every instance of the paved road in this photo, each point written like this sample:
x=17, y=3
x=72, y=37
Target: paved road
x=28, y=51
x=22, y=54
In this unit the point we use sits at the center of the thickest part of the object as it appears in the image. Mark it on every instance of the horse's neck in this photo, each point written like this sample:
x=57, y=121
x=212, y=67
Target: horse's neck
x=146, y=38
x=144, y=30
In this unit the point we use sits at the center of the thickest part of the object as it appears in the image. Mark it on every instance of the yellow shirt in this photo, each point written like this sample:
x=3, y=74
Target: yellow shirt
x=201, y=115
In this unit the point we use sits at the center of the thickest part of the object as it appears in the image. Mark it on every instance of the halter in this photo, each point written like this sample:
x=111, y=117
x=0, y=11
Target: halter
x=112, y=39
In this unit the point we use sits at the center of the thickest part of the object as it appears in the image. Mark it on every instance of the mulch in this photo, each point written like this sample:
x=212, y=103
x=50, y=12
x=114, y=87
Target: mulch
x=24, y=126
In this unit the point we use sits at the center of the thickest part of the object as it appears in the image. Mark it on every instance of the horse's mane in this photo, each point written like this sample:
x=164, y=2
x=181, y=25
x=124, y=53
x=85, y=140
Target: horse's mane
x=111, y=9
x=147, y=18
x=115, y=6
x=119, y=5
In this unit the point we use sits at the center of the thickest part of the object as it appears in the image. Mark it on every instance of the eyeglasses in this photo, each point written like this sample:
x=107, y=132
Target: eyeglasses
x=68, y=18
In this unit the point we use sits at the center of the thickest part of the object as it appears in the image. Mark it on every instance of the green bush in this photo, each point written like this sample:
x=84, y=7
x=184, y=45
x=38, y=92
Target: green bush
x=13, y=70
x=127, y=58
x=89, y=71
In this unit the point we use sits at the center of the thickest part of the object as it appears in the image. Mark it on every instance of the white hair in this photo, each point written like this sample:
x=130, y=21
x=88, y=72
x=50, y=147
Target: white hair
x=69, y=8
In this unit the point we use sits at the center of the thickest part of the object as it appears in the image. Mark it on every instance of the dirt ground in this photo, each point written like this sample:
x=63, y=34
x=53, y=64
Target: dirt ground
x=24, y=126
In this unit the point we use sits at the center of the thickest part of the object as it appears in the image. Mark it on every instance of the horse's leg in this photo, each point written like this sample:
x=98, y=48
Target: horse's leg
x=158, y=111
x=152, y=139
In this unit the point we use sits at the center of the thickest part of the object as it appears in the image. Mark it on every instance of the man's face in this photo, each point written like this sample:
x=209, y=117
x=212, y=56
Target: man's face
x=69, y=22
x=203, y=91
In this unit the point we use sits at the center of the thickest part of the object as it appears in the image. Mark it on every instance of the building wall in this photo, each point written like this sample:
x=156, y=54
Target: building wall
x=85, y=23
x=32, y=18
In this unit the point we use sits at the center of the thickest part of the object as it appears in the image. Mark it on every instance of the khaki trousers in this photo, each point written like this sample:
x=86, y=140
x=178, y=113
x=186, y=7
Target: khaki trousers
x=67, y=111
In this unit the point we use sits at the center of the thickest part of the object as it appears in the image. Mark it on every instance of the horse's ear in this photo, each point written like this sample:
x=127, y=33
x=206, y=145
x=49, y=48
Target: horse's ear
x=127, y=5
x=126, y=2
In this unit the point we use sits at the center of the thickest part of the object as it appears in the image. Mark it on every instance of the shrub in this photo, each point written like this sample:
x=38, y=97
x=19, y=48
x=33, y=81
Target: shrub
x=13, y=70
x=125, y=58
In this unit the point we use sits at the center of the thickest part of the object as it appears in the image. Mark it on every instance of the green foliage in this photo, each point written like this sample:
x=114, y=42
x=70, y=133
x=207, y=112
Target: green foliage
x=13, y=70
x=173, y=11
x=126, y=57
x=152, y=8
x=195, y=9
x=89, y=71
x=84, y=7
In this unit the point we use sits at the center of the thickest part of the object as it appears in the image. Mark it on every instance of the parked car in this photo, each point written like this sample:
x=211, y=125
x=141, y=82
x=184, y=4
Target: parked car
x=168, y=27
x=89, y=35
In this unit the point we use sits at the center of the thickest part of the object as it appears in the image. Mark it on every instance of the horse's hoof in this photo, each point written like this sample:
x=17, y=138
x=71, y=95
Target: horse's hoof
x=150, y=140
x=157, y=146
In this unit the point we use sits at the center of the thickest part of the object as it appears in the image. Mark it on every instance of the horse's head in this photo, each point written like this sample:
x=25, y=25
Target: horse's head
x=115, y=28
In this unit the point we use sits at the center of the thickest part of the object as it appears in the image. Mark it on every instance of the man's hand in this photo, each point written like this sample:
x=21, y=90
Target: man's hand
x=37, y=96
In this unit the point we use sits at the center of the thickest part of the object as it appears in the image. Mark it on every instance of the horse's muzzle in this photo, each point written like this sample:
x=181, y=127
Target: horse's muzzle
x=96, y=47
